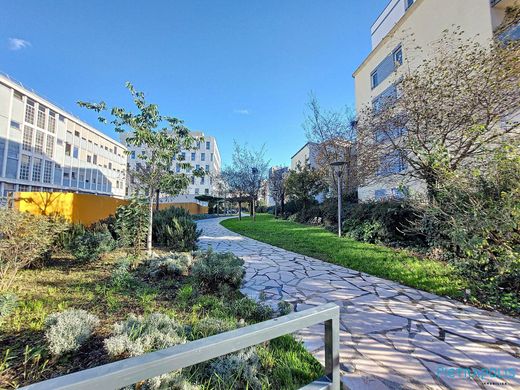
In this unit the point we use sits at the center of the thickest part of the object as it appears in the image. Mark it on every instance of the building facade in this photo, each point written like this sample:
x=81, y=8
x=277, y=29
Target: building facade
x=44, y=148
x=402, y=27
x=205, y=155
x=305, y=155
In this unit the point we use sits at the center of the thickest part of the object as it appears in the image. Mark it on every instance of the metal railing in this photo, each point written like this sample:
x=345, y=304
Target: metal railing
x=129, y=371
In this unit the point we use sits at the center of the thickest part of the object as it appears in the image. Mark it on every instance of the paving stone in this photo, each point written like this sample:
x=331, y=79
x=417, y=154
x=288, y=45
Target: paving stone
x=391, y=336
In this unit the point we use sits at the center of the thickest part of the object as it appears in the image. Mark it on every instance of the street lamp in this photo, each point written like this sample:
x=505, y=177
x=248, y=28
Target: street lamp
x=337, y=169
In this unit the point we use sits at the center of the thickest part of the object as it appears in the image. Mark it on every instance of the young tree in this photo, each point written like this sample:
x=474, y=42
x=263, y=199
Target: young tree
x=445, y=115
x=304, y=184
x=247, y=173
x=160, y=138
x=277, y=187
x=333, y=132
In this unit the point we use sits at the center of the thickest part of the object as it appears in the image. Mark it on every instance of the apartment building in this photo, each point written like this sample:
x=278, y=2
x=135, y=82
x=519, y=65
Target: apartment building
x=305, y=155
x=402, y=27
x=205, y=155
x=44, y=148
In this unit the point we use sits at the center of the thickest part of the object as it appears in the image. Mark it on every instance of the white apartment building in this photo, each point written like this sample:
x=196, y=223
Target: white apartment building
x=305, y=155
x=403, y=26
x=205, y=155
x=44, y=148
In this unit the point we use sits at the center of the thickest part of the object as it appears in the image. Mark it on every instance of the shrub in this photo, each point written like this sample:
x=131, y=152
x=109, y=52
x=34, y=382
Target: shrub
x=121, y=276
x=172, y=264
x=24, y=238
x=131, y=225
x=8, y=303
x=68, y=330
x=210, y=326
x=240, y=370
x=138, y=335
x=218, y=272
x=91, y=245
x=250, y=310
x=171, y=381
x=284, y=308
x=175, y=229
x=106, y=224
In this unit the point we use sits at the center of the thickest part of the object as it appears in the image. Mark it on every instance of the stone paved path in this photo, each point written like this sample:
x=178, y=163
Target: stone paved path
x=392, y=336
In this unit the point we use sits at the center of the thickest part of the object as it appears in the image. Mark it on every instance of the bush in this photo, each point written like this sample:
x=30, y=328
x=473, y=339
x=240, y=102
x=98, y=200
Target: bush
x=312, y=215
x=131, y=225
x=8, y=303
x=172, y=264
x=218, y=272
x=121, y=276
x=138, y=335
x=68, y=330
x=250, y=310
x=171, y=381
x=24, y=238
x=388, y=222
x=175, y=229
x=210, y=326
x=240, y=370
x=91, y=245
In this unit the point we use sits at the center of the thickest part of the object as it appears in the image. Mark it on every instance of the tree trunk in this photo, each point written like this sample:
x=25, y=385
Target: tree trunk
x=240, y=210
x=282, y=205
x=150, y=223
x=254, y=209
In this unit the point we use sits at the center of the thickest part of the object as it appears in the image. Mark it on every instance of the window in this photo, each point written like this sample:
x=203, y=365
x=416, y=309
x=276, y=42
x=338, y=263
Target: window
x=38, y=144
x=206, y=191
x=49, y=147
x=408, y=4
x=47, y=172
x=66, y=175
x=37, y=169
x=399, y=193
x=76, y=133
x=68, y=149
x=193, y=156
x=132, y=154
x=203, y=157
x=27, y=138
x=13, y=154
x=208, y=145
x=374, y=79
x=196, y=191
x=202, y=180
x=52, y=122
x=177, y=168
x=193, y=180
x=17, y=95
x=211, y=156
x=197, y=166
x=29, y=111
x=183, y=156
x=75, y=152
x=391, y=163
x=207, y=168
x=15, y=125
x=89, y=158
x=62, y=118
x=398, y=56
x=41, y=117
x=109, y=165
x=25, y=166
x=115, y=149
x=59, y=142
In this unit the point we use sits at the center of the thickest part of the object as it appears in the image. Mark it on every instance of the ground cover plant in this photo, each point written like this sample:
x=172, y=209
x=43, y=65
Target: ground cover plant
x=71, y=315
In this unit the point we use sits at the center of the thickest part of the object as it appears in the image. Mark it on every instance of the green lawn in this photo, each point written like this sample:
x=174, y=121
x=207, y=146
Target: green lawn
x=397, y=265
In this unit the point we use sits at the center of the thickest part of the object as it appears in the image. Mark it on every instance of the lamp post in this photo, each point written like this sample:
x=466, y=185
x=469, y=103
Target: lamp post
x=336, y=167
x=254, y=171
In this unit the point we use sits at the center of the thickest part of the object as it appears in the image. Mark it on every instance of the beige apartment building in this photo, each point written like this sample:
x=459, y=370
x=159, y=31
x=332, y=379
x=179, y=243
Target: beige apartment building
x=205, y=155
x=402, y=27
x=44, y=148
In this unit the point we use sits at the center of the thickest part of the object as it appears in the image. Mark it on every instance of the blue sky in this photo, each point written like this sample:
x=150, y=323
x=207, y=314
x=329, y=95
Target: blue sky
x=238, y=70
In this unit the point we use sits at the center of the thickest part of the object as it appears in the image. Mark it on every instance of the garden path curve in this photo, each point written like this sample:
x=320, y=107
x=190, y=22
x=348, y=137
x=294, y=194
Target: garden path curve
x=392, y=336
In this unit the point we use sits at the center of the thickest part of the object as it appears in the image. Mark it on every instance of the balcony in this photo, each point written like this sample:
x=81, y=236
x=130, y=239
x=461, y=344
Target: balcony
x=390, y=16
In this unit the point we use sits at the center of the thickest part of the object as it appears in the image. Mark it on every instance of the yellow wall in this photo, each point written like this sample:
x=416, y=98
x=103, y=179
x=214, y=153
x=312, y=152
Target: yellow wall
x=193, y=208
x=82, y=208
x=77, y=208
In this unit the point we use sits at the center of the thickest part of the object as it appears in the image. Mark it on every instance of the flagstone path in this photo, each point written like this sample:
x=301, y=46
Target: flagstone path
x=392, y=336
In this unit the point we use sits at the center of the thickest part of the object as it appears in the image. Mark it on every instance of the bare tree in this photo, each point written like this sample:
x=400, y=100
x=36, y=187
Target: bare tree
x=277, y=187
x=333, y=132
x=445, y=115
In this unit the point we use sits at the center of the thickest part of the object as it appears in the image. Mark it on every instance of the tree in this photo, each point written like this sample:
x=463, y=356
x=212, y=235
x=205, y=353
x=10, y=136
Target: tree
x=160, y=138
x=445, y=115
x=246, y=175
x=304, y=184
x=277, y=187
x=333, y=132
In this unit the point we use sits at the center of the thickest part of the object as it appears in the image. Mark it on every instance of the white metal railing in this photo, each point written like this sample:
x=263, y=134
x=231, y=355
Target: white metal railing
x=129, y=371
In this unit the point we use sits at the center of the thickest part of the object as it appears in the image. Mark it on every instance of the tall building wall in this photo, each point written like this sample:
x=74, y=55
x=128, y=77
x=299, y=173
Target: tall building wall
x=44, y=148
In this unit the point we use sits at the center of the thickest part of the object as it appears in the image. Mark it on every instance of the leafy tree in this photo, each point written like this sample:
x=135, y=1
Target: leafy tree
x=160, y=138
x=304, y=184
x=277, y=187
x=447, y=114
x=131, y=224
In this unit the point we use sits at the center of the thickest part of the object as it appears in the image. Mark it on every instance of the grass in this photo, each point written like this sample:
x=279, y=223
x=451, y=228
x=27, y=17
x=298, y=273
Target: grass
x=64, y=283
x=392, y=264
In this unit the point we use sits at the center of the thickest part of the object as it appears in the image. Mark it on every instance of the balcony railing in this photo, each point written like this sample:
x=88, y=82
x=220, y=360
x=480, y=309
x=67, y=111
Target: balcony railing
x=133, y=370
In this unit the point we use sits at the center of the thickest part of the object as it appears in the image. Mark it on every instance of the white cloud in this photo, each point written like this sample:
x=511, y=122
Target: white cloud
x=18, y=43
x=242, y=111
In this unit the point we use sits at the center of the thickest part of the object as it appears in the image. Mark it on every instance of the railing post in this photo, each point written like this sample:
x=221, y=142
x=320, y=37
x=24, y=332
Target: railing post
x=332, y=350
